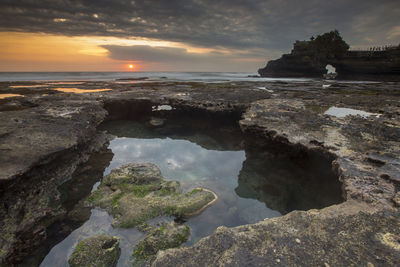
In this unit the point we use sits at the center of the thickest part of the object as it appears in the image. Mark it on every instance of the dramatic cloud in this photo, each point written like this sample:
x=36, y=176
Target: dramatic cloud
x=167, y=57
x=252, y=24
x=152, y=54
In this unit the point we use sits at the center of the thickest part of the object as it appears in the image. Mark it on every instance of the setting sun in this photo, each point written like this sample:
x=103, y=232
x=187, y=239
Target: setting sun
x=131, y=66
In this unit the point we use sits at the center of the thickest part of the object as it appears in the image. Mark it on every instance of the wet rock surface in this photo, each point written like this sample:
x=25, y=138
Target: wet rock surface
x=46, y=134
x=348, y=234
x=135, y=193
x=102, y=250
x=168, y=235
x=41, y=123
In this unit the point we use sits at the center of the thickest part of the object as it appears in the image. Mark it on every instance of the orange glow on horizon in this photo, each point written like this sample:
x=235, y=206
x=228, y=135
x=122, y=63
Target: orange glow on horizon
x=2, y=96
x=45, y=52
x=42, y=52
x=22, y=51
x=80, y=91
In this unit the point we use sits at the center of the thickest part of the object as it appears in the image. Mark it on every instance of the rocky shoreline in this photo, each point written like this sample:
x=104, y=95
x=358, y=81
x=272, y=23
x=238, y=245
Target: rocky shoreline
x=46, y=134
x=310, y=58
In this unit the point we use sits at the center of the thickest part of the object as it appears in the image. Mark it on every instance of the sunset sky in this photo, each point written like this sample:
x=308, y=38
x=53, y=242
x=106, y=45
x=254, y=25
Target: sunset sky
x=179, y=35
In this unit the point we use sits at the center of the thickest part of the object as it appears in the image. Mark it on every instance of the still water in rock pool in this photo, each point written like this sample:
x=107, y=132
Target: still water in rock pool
x=251, y=185
x=194, y=166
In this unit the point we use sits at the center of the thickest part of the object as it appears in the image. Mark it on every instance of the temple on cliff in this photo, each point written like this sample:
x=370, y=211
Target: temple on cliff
x=310, y=58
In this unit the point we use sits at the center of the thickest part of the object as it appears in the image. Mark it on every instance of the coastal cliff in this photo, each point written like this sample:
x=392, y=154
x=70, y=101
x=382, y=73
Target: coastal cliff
x=310, y=58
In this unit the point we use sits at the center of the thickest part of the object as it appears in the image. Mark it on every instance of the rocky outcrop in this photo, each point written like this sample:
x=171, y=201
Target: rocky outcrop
x=136, y=192
x=102, y=250
x=41, y=146
x=41, y=122
x=309, y=59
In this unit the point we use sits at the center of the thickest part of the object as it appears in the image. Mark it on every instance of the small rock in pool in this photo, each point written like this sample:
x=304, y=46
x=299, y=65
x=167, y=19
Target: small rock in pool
x=156, y=122
x=166, y=236
x=101, y=250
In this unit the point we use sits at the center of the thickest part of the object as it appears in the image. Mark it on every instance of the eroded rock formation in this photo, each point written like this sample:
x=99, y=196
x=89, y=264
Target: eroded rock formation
x=309, y=59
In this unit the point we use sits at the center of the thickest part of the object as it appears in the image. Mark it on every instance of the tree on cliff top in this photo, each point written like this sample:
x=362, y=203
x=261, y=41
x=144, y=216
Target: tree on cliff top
x=330, y=44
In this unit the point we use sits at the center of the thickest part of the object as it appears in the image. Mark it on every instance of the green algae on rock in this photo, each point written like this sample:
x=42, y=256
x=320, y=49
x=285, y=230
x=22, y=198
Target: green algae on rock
x=101, y=250
x=136, y=192
x=166, y=236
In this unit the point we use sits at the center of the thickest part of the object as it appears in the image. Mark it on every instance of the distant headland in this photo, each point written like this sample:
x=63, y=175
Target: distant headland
x=310, y=58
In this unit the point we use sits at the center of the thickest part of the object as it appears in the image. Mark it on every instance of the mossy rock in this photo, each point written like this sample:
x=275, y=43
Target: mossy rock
x=136, y=192
x=133, y=173
x=101, y=250
x=166, y=236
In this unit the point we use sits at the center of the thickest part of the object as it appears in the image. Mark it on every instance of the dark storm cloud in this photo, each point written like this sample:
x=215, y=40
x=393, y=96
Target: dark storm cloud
x=269, y=24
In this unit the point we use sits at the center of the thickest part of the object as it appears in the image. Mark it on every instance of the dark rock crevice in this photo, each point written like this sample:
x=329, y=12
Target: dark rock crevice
x=294, y=177
x=136, y=109
x=31, y=202
x=127, y=109
x=71, y=194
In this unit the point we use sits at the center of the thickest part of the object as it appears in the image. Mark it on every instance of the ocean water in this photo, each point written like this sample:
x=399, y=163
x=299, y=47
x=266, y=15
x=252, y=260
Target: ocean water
x=152, y=76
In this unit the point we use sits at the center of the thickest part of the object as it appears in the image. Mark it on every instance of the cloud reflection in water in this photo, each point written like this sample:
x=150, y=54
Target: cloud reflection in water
x=193, y=165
